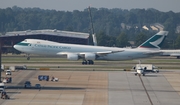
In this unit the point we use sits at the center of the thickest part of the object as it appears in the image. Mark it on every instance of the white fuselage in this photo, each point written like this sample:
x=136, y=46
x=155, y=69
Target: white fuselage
x=43, y=47
x=139, y=71
x=170, y=52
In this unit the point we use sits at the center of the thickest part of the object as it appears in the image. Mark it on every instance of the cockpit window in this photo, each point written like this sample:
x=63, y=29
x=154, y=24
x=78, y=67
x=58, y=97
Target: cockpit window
x=25, y=40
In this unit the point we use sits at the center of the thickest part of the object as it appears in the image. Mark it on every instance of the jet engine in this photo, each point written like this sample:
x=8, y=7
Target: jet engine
x=90, y=56
x=72, y=57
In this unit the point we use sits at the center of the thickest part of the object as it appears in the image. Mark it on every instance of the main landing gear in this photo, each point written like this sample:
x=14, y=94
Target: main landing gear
x=89, y=62
x=28, y=57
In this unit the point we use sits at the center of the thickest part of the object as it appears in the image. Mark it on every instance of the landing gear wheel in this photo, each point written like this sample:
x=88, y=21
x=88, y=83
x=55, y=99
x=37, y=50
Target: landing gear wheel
x=90, y=62
x=84, y=62
x=28, y=58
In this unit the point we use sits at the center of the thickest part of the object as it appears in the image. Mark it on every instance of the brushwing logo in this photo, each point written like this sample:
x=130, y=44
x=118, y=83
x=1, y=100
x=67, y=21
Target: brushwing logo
x=157, y=42
x=154, y=42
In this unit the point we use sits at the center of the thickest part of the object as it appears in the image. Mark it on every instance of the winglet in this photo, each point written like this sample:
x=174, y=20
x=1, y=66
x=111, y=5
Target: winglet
x=155, y=41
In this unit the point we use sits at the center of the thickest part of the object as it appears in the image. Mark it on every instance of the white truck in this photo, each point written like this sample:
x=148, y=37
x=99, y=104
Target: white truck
x=8, y=72
x=2, y=87
x=13, y=68
x=148, y=67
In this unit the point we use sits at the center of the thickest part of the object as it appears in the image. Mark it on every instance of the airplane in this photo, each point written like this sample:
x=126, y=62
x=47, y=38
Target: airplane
x=88, y=53
x=173, y=53
x=143, y=69
x=140, y=70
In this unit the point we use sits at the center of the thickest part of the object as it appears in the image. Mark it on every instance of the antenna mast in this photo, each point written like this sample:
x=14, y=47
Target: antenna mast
x=92, y=28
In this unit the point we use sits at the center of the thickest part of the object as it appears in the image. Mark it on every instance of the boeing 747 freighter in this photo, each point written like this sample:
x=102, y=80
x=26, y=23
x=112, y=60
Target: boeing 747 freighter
x=89, y=53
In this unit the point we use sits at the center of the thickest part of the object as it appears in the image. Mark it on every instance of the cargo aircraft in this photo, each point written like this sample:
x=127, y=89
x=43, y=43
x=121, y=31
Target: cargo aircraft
x=173, y=53
x=143, y=69
x=88, y=53
x=140, y=70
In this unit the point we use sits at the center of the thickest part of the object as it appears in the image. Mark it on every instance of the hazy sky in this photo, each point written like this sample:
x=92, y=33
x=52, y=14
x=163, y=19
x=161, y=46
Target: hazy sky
x=70, y=5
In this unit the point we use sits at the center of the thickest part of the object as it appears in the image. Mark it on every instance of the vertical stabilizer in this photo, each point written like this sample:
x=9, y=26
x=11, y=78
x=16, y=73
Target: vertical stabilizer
x=94, y=39
x=155, y=41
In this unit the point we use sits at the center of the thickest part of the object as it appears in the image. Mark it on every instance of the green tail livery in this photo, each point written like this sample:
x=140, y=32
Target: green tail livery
x=155, y=41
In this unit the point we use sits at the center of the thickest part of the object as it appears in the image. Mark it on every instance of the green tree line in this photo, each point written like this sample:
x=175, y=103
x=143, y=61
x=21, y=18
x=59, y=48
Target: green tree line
x=107, y=23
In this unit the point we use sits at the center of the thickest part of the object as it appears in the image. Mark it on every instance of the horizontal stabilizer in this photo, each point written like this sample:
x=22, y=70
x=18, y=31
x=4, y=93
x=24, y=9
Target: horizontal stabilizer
x=153, y=52
x=108, y=52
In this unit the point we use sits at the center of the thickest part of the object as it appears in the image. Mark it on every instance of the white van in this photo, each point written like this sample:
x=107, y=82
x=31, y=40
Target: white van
x=2, y=87
x=8, y=72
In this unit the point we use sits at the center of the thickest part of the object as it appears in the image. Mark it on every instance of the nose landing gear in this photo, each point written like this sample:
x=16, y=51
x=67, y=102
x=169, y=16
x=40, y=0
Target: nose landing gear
x=28, y=57
x=90, y=62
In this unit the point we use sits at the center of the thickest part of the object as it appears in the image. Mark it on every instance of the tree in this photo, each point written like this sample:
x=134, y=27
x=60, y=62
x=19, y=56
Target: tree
x=105, y=40
x=140, y=38
x=122, y=40
x=177, y=42
x=105, y=20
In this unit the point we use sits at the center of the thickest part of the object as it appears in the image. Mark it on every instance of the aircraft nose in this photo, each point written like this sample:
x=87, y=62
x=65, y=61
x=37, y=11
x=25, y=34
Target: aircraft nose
x=15, y=46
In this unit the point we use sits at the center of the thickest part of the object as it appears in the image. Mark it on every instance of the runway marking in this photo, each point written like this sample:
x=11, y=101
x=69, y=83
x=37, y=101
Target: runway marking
x=145, y=90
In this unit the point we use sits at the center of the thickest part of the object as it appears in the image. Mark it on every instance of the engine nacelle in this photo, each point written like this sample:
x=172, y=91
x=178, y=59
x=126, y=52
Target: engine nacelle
x=72, y=57
x=145, y=68
x=90, y=56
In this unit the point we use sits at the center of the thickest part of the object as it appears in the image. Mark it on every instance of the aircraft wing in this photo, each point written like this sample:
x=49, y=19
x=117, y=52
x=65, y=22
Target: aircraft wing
x=102, y=53
x=174, y=55
x=97, y=53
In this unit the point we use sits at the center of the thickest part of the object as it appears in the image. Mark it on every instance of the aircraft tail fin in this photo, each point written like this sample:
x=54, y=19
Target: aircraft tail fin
x=155, y=41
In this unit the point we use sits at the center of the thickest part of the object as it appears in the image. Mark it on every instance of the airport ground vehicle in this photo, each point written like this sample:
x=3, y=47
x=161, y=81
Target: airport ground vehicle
x=43, y=77
x=37, y=86
x=7, y=79
x=8, y=72
x=54, y=79
x=13, y=68
x=2, y=87
x=27, y=84
x=4, y=95
x=148, y=67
